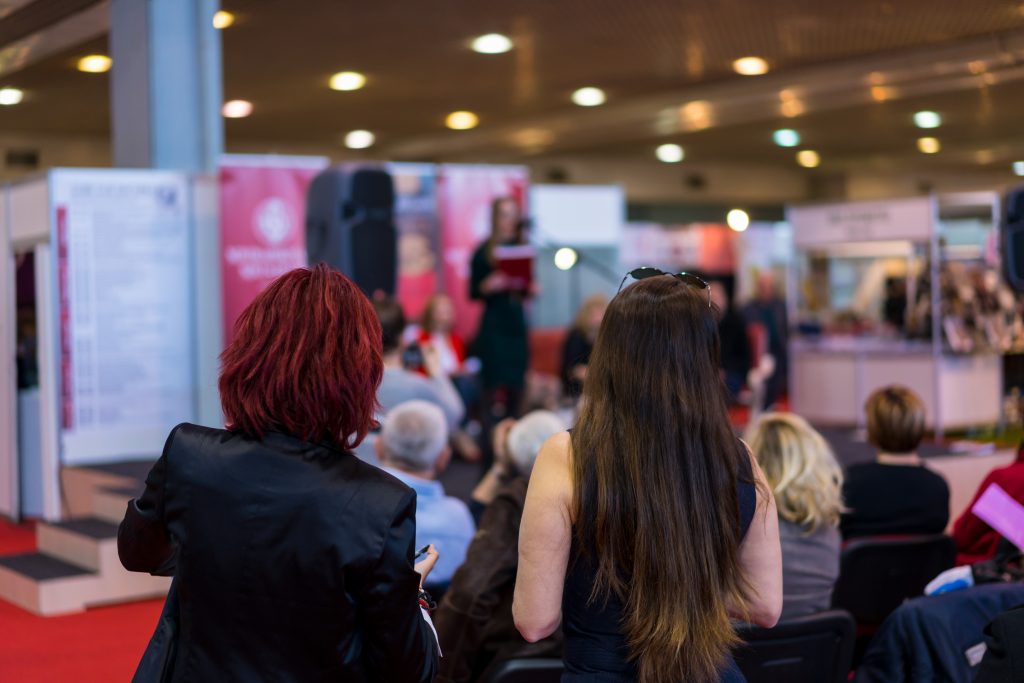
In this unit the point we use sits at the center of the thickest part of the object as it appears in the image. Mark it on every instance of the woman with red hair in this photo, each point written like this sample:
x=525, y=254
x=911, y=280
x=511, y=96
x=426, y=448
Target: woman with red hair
x=292, y=558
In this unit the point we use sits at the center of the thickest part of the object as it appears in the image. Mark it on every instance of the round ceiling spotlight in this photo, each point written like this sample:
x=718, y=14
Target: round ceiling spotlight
x=929, y=145
x=223, y=19
x=565, y=258
x=462, y=120
x=786, y=137
x=10, y=96
x=236, y=109
x=94, y=64
x=808, y=158
x=359, y=139
x=1018, y=168
x=589, y=97
x=737, y=219
x=347, y=80
x=670, y=153
x=927, y=119
x=750, y=66
x=492, y=44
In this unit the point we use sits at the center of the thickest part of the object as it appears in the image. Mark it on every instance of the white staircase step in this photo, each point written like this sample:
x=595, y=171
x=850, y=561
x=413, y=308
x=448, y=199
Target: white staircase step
x=110, y=503
x=76, y=567
x=78, y=541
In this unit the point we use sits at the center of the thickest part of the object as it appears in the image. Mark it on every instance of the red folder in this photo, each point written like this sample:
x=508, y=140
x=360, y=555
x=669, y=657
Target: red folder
x=517, y=263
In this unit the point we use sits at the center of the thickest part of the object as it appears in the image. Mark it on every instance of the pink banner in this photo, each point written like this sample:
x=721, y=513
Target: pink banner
x=419, y=260
x=465, y=193
x=262, y=225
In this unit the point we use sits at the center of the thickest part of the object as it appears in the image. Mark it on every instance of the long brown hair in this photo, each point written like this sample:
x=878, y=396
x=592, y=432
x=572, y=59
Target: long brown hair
x=655, y=471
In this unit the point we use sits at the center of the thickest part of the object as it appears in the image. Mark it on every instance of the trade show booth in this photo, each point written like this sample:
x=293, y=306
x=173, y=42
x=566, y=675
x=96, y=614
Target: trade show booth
x=900, y=292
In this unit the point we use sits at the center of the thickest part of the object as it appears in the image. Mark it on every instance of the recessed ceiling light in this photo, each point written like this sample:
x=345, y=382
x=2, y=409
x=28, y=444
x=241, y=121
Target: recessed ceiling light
x=750, y=66
x=223, y=19
x=94, y=64
x=236, y=109
x=737, y=219
x=808, y=158
x=929, y=145
x=589, y=97
x=359, y=139
x=462, y=120
x=10, y=96
x=786, y=137
x=927, y=119
x=492, y=44
x=347, y=80
x=1018, y=168
x=670, y=153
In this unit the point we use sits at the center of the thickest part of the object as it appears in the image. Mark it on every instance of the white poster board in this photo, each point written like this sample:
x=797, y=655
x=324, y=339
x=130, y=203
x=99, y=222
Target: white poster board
x=124, y=287
x=578, y=215
x=827, y=224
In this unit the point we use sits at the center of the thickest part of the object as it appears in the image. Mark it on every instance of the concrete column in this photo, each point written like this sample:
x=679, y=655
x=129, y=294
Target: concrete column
x=166, y=84
x=166, y=95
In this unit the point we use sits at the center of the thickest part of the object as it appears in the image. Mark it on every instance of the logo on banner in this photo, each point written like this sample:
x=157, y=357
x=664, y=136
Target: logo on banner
x=273, y=221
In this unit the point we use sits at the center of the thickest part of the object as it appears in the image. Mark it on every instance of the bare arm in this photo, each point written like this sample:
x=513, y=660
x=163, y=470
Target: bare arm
x=544, y=541
x=761, y=558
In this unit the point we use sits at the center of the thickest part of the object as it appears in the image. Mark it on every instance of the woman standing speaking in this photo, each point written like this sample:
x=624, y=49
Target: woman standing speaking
x=501, y=343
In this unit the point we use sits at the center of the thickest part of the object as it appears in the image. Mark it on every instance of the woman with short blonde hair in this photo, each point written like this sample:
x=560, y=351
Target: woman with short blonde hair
x=807, y=482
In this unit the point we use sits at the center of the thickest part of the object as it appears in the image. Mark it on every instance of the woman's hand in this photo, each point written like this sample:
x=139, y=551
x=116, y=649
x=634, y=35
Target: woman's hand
x=424, y=566
x=494, y=283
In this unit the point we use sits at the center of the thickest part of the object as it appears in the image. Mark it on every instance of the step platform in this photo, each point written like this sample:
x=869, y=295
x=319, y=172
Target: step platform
x=75, y=565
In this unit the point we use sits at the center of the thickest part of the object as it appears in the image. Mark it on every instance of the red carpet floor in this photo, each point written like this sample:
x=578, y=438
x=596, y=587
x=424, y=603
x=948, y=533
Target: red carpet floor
x=101, y=645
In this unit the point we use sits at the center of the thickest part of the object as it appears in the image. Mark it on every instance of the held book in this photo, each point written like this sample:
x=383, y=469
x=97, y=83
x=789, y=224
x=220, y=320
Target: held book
x=516, y=262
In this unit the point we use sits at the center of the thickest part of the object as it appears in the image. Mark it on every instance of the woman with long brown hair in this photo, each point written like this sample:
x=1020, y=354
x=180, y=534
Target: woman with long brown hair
x=650, y=526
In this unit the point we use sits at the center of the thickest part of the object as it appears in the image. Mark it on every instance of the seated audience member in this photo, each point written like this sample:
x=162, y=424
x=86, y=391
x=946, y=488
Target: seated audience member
x=735, y=344
x=291, y=558
x=896, y=494
x=579, y=343
x=806, y=480
x=976, y=540
x=437, y=330
x=402, y=384
x=514, y=452
x=474, y=621
x=413, y=446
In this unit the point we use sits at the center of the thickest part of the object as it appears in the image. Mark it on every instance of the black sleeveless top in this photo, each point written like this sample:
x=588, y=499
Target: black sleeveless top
x=595, y=649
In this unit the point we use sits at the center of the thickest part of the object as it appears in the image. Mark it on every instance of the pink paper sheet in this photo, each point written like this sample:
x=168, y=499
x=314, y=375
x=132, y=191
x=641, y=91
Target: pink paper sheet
x=1001, y=512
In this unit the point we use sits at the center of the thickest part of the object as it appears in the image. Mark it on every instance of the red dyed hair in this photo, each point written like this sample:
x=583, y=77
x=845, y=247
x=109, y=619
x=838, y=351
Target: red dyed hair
x=305, y=360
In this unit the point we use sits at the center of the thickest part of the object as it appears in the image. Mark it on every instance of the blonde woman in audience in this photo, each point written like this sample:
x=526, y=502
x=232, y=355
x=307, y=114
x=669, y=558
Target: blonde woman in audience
x=807, y=483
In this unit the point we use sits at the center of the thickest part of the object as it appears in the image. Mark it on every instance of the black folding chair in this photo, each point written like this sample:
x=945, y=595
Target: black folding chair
x=812, y=649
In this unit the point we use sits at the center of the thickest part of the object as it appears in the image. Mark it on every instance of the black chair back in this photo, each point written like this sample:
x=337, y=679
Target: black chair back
x=813, y=649
x=877, y=574
x=525, y=671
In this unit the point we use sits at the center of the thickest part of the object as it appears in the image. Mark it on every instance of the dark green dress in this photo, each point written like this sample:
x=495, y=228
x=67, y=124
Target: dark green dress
x=501, y=341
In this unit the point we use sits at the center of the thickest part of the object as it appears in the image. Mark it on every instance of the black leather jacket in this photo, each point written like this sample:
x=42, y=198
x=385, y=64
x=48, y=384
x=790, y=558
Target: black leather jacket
x=293, y=561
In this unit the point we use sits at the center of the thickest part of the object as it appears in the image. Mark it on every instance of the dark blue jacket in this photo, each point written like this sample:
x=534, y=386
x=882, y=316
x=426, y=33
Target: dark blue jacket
x=937, y=639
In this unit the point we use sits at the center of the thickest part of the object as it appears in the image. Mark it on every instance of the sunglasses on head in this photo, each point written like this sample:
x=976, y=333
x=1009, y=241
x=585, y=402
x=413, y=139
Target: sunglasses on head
x=687, y=278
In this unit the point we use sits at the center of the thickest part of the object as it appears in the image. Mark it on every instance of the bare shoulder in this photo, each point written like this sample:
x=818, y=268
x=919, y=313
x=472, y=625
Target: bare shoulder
x=552, y=472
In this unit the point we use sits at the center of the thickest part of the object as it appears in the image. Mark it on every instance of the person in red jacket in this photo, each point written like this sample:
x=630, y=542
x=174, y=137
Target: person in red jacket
x=437, y=328
x=976, y=540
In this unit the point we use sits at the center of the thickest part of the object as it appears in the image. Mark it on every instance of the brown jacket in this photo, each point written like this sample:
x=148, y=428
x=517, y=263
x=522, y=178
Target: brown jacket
x=474, y=621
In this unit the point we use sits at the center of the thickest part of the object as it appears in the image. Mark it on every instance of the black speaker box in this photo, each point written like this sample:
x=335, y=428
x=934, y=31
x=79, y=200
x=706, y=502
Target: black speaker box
x=1012, y=237
x=350, y=226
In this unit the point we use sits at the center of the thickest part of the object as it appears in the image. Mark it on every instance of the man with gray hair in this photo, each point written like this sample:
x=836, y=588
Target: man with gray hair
x=413, y=447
